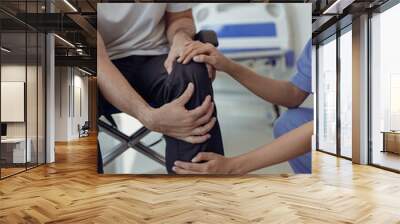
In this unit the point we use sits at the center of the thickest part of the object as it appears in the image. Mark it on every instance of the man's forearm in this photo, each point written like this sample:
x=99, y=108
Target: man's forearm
x=180, y=32
x=288, y=146
x=180, y=26
x=280, y=92
x=116, y=89
x=127, y=100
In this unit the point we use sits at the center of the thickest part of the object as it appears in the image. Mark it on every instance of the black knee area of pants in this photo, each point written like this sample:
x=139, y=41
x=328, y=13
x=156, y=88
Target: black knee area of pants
x=182, y=75
x=177, y=83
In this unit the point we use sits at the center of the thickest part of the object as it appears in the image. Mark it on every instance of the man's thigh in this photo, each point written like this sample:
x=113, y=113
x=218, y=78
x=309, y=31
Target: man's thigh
x=146, y=74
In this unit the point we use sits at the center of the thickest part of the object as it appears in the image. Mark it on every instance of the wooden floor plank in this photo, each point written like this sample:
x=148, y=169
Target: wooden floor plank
x=70, y=191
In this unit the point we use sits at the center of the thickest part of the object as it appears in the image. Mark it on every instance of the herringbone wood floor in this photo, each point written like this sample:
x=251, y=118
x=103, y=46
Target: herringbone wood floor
x=70, y=191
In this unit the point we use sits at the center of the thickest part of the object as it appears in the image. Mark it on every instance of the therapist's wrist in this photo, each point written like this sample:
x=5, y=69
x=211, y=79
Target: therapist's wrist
x=231, y=67
x=237, y=165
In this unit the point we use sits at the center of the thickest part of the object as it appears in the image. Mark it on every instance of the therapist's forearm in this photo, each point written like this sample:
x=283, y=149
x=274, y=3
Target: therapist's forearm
x=280, y=92
x=288, y=146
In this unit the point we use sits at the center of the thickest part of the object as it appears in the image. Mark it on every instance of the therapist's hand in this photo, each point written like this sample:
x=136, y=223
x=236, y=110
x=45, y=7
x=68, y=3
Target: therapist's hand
x=212, y=163
x=174, y=120
x=176, y=51
x=205, y=53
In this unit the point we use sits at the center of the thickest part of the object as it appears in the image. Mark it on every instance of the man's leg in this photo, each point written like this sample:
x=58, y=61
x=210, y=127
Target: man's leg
x=177, y=82
x=291, y=119
x=158, y=87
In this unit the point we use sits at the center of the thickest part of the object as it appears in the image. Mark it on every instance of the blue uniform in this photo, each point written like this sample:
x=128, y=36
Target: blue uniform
x=296, y=117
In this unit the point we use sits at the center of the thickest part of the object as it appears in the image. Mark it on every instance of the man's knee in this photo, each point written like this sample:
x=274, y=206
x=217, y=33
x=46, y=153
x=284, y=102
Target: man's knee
x=191, y=72
x=183, y=74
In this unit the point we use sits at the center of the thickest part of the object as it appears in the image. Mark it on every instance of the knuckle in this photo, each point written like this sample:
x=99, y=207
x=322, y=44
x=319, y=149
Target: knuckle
x=203, y=130
x=196, y=131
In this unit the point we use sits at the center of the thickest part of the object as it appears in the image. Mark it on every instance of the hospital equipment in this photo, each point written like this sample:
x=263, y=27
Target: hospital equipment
x=248, y=31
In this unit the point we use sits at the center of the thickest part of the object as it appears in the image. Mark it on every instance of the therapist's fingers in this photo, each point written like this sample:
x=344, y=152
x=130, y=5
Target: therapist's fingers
x=194, y=49
x=188, y=48
x=205, y=49
x=205, y=156
x=178, y=170
x=194, y=167
x=205, y=59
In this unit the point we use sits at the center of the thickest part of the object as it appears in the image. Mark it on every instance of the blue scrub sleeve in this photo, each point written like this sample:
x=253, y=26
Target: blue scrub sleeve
x=302, y=79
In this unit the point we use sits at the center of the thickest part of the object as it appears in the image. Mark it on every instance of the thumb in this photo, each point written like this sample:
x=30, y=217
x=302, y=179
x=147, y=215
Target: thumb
x=211, y=72
x=204, y=59
x=185, y=97
x=168, y=64
x=203, y=156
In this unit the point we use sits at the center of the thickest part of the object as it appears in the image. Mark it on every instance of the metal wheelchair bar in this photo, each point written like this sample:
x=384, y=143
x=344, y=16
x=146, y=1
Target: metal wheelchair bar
x=149, y=153
x=129, y=141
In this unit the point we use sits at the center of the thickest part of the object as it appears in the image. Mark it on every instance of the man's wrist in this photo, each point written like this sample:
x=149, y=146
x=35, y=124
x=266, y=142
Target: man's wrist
x=144, y=114
x=181, y=37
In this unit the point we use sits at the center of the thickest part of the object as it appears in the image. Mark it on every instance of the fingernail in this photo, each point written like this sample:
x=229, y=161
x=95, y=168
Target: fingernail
x=174, y=168
x=176, y=163
x=195, y=58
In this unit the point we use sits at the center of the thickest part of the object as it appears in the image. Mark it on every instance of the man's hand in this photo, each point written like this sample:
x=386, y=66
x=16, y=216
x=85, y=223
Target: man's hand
x=180, y=43
x=212, y=163
x=205, y=53
x=174, y=120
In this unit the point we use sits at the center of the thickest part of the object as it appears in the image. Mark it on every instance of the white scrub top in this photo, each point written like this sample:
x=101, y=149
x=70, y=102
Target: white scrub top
x=135, y=28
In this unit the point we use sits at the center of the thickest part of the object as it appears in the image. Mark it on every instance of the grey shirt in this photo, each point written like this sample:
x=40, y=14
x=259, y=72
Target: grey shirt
x=135, y=28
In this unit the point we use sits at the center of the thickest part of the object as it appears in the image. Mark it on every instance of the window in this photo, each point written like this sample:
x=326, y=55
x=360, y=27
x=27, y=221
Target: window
x=346, y=94
x=22, y=87
x=327, y=97
x=385, y=89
